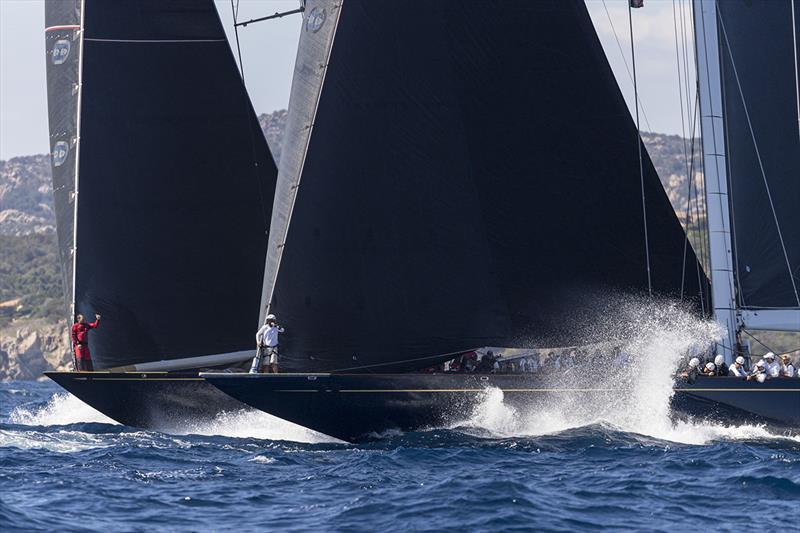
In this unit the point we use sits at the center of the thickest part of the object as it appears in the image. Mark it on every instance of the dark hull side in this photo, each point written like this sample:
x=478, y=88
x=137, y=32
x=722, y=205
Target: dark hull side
x=775, y=403
x=161, y=401
x=355, y=407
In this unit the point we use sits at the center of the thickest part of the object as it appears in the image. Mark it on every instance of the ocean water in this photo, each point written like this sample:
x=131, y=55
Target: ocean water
x=619, y=464
x=67, y=467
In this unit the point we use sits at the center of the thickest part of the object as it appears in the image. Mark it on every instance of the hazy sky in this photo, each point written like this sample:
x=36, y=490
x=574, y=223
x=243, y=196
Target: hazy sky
x=268, y=50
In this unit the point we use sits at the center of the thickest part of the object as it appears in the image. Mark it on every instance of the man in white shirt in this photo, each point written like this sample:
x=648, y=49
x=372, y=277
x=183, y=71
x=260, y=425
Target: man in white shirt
x=773, y=367
x=787, y=368
x=737, y=368
x=267, y=346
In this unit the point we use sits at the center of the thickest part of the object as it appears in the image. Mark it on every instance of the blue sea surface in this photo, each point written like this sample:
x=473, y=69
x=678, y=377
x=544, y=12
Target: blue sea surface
x=65, y=467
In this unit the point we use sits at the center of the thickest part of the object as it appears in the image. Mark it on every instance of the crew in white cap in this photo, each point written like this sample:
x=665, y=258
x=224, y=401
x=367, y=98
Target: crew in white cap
x=787, y=368
x=267, y=346
x=692, y=369
x=773, y=367
x=737, y=368
x=759, y=372
x=710, y=369
x=722, y=368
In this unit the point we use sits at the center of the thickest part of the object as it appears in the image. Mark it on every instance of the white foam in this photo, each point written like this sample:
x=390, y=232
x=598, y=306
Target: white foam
x=248, y=423
x=61, y=409
x=638, y=396
x=60, y=441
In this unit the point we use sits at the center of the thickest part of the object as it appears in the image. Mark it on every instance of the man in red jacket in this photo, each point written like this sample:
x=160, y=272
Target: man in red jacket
x=80, y=342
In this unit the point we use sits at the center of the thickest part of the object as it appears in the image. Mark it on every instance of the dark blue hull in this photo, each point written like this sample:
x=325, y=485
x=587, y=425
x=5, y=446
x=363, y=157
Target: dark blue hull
x=162, y=401
x=355, y=407
x=775, y=403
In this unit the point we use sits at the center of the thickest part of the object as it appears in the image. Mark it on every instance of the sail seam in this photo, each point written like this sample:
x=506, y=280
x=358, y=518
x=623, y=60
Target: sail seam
x=296, y=185
x=760, y=162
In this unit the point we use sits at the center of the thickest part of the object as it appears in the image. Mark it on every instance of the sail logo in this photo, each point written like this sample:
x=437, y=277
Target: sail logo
x=60, y=153
x=316, y=19
x=60, y=51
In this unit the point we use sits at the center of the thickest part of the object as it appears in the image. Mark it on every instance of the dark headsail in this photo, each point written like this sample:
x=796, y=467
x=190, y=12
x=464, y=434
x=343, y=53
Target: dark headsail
x=174, y=182
x=456, y=174
x=759, y=87
x=63, y=46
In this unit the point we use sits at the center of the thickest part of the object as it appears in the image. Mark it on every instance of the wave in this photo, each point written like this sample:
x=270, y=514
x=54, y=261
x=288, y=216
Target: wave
x=64, y=409
x=61, y=410
x=58, y=441
x=638, y=394
x=249, y=423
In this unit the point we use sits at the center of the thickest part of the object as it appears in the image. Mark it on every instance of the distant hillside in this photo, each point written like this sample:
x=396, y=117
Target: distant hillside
x=26, y=196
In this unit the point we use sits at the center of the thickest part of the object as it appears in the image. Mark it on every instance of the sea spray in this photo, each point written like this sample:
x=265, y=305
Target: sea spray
x=249, y=423
x=61, y=409
x=630, y=394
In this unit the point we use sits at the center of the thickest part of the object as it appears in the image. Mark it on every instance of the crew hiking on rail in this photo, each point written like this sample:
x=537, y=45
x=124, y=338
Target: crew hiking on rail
x=267, y=346
x=80, y=342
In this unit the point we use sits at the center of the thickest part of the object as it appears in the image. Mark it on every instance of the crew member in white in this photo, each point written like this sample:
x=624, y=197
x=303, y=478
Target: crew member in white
x=787, y=368
x=722, y=368
x=737, y=368
x=773, y=367
x=267, y=343
x=759, y=372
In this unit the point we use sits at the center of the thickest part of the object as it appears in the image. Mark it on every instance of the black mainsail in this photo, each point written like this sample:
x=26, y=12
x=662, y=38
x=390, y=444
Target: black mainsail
x=163, y=180
x=456, y=175
x=758, y=53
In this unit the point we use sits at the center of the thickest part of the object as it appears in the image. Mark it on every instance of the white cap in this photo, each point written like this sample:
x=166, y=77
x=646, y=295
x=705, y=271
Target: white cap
x=760, y=364
x=769, y=355
x=270, y=317
x=740, y=360
x=694, y=362
x=711, y=366
x=718, y=360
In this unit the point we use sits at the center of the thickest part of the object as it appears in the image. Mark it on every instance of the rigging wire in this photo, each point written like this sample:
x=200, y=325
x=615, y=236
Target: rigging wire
x=247, y=114
x=639, y=147
x=235, y=12
x=625, y=62
x=685, y=155
x=767, y=347
x=758, y=156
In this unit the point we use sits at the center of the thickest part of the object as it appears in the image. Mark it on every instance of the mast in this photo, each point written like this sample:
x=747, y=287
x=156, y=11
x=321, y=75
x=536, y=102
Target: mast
x=81, y=33
x=715, y=173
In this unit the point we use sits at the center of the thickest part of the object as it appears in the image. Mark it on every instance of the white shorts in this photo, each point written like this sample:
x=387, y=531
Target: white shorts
x=272, y=352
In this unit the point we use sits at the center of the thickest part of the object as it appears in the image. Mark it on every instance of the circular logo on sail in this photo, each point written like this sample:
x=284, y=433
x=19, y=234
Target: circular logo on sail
x=60, y=51
x=316, y=19
x=60, y=153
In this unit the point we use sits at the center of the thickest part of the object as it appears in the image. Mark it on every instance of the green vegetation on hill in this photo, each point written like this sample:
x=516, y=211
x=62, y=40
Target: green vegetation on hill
x=30, y=273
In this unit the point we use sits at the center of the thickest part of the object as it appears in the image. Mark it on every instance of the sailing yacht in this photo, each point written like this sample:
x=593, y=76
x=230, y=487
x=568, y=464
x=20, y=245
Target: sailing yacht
x=454, y=175
x=750, y=117
x=163, y=187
